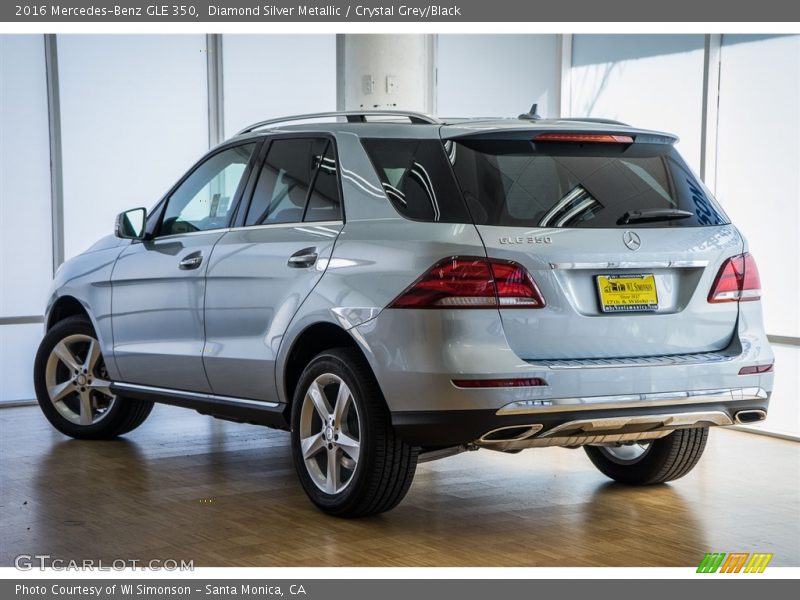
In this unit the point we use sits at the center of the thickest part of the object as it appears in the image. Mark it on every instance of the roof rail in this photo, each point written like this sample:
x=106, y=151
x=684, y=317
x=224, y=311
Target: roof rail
x=352, y=116
x=594, y=120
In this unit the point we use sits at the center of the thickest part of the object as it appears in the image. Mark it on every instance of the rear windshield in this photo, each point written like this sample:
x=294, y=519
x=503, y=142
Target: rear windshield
x=517, y=183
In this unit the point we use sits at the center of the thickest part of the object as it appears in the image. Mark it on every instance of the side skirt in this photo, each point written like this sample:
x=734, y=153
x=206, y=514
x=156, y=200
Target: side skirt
x=257, y=412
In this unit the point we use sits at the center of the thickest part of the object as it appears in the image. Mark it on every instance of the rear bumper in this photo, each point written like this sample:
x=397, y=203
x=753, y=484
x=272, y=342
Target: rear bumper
x=416, y=355
x=577, y=421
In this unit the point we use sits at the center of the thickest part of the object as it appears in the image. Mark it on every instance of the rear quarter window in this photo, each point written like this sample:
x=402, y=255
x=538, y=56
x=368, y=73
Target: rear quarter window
x=417, y=178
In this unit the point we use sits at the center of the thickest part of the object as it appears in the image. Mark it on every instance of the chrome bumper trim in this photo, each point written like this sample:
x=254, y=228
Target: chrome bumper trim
x=645, y=361
x=652, y=264
x=608, y=430
x=522, y=407
x=619, y=424
x=575, y=441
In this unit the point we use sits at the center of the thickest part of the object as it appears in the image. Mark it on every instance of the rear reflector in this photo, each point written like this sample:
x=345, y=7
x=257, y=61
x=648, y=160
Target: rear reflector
x=498, y=383
x=579, y=138
x=756, y=369
x=472, y=282
x=737, y=280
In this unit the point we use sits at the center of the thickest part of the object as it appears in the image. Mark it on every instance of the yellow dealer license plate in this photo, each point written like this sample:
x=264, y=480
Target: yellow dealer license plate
x=627, y=293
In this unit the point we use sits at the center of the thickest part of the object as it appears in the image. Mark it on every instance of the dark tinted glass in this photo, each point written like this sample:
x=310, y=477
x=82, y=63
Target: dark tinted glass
x=282, y=189
x=516, y=183
x=417, y=179
x=324, y=203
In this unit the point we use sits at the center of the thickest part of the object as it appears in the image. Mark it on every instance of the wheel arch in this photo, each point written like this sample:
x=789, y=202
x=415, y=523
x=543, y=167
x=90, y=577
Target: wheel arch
x=313, y=339
x=64, y=307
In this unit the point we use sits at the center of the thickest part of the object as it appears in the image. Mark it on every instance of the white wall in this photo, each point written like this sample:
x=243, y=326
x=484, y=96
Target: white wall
x=758, y=183
x=758, y=163
x=18, y=344
x=25, y=225
x=269, y=76
x=496, y=75
x=25, y=177
x=134, y=114
x=652, y=81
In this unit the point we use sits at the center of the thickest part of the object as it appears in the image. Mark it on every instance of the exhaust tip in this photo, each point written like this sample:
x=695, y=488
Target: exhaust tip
x=510, y=434
x=745, y=417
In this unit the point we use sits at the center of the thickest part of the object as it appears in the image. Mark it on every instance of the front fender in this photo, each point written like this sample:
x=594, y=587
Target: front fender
x=86, y=278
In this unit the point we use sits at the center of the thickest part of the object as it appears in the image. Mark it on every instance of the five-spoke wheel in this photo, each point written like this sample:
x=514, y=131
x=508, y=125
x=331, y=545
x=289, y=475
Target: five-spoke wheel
x=73, y=385
x=329, y=433
x=77, y=380
x=347, y=455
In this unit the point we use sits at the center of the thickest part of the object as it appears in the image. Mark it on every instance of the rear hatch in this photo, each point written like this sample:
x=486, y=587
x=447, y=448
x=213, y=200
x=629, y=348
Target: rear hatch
x=622, y=239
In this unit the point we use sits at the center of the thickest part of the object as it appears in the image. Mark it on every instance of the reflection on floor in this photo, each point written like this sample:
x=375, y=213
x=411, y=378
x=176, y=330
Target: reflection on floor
x=184, y=486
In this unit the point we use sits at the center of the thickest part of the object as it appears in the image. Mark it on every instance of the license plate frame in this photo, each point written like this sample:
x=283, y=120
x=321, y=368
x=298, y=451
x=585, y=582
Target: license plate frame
x=612, y=299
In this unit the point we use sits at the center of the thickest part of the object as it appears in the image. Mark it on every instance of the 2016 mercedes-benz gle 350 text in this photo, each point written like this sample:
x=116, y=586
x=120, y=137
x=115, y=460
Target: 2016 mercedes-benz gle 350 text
x=392, y=288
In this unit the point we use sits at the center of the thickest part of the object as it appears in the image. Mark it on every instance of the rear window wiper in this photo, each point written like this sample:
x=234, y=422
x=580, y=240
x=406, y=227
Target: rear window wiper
x=653, y=214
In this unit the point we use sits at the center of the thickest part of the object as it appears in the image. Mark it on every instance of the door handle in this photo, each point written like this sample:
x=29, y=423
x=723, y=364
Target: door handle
x=302, y=259
x=192, y=261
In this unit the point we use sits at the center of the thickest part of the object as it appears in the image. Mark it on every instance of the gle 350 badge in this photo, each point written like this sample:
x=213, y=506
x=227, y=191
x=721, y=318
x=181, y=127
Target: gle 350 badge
x=526, y=239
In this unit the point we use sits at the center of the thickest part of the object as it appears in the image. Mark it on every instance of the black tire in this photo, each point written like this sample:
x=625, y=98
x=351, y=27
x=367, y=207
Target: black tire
x=124, y=415
x=666, y=459
x=386, y=464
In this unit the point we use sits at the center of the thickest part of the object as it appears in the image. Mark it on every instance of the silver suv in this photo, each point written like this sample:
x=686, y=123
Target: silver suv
x=393, y=289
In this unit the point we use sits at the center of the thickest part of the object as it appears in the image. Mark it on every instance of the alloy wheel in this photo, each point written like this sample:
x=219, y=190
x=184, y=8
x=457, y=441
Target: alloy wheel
x=626, y=454
x=330, y=433
x=77, y=381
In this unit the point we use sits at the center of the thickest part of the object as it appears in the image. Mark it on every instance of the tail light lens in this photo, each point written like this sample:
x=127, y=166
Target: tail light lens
x=472, y=282
x=737, y=280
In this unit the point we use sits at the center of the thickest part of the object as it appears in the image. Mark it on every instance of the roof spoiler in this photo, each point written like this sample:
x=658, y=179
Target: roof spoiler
x=550, y=134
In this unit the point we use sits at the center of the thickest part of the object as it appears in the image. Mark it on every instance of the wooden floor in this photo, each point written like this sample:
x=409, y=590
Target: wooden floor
x=191, y=487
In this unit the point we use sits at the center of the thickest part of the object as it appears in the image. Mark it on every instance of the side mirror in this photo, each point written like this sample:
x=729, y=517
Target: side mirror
x=130, y=224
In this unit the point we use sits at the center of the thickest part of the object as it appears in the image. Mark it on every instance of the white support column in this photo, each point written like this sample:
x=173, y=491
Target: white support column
x=56, y=163
x=216, y=116
x=385, y=72
x=564, y=74
x=708, y=139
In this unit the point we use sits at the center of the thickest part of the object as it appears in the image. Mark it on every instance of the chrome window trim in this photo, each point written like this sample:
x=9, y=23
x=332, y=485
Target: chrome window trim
x=293, y=224
x=250, y=227
x=188, y=233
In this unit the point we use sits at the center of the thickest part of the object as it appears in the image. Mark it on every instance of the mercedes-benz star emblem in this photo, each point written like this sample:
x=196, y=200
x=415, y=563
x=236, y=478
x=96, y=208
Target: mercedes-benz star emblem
x=631, y=240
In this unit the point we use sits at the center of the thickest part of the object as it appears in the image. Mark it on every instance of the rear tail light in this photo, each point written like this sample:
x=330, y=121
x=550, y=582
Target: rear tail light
x=472, y=282
x=580, y=138
x=737, y=280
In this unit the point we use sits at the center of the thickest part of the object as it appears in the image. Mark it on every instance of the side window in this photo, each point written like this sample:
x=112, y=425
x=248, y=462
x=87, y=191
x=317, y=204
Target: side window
x=292, y=168
x=324, y=203
x=417, y=178
x=204, y=200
